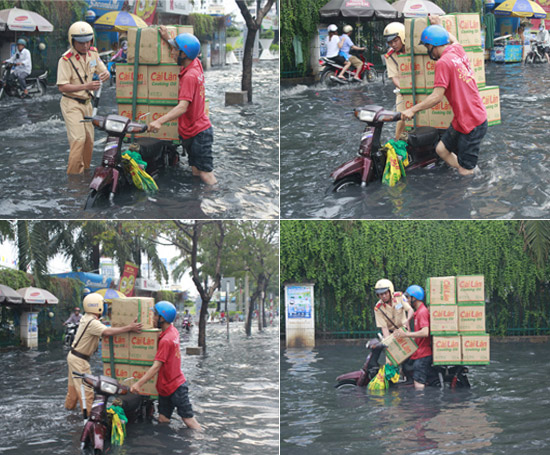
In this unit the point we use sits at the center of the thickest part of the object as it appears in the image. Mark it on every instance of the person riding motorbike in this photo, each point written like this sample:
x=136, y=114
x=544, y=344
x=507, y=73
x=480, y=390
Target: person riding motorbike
x=75, y=317
x=121, y=55
x=86, y=343
x=75, y=72
x=421, y=361
x=391, y=312
x=22, y=62
x=543, y=37
x=394, y=34
x=333, y=51
x=345, y=45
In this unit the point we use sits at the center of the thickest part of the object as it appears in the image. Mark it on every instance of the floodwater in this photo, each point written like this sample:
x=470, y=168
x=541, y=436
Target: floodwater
x=505, y=411
x=319, y=133
x=234, y=391
x=246, y=159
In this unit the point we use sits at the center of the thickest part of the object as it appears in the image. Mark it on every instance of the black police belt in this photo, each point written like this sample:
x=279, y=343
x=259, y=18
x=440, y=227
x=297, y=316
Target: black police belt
x=80, y=355
x=79, y=100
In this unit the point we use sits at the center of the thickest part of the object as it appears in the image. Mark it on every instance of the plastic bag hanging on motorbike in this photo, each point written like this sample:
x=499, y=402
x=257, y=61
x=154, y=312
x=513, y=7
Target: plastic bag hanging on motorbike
x=141, y=179
x=119, y=420
x=385, y=373
x=396, y=160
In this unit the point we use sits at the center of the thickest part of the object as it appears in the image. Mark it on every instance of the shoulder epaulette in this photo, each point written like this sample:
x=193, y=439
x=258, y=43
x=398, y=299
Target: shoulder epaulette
x=92, y=48
x=378, y=305
x=67, y=55
x=389, y=53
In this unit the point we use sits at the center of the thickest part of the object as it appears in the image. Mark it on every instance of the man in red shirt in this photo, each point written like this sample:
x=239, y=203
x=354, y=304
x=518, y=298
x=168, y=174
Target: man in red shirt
x=422, y=358
x=454, y=78
x=171, y=384
x=194, y=127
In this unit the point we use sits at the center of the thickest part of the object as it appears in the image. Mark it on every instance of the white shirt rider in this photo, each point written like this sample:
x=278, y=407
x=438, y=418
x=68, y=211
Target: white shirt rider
x=332, y=46
x=543, y=36
x=23, y=57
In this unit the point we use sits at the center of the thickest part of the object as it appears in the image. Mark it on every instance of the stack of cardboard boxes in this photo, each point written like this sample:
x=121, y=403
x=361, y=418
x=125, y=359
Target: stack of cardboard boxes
x=466, y=28
x=457, y=320
x=133, y=353
x=157, y=87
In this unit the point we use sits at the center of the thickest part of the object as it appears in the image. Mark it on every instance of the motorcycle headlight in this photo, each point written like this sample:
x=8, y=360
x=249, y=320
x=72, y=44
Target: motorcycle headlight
x=115, y=127
x=108, y=388
x=364, y=115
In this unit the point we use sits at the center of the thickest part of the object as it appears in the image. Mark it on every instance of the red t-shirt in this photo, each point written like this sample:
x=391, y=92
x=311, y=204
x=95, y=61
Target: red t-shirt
x=170, y=376
x=454, y=72
x=191, y=88
x=421, y=320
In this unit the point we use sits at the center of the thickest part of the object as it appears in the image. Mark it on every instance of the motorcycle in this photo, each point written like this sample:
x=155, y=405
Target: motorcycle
x=186, y=324
x=96, y=434
x=454, y=375
x=113, y=174
x=369, y=165
x=330, y=70
x=537, y=54
x=70, y=332
x=9, y=84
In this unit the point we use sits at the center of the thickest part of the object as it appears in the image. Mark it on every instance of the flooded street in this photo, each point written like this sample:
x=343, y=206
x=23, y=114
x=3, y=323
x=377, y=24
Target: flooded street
x=505, y=411
x=234, y=391
x=246, y=159
x=319, y=132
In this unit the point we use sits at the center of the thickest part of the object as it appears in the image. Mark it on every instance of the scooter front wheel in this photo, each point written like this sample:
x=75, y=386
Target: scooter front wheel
x=324, y=78
x=371, y=75
x=346, y=384
x=93, y=195
x=346, y=182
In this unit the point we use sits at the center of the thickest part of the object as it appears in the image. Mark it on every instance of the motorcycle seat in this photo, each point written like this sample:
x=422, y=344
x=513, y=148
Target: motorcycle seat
x=150, y=149
x=36, y=74
x=423, y=136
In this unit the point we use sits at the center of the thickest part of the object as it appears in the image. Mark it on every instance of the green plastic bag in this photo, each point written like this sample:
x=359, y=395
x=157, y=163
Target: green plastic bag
x=396, y=161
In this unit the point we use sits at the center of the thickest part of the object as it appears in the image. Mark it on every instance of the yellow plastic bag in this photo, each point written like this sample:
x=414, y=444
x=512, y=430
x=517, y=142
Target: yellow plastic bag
x=118, y=430
x=396, y=160
x=379, y=382
x=142, y=180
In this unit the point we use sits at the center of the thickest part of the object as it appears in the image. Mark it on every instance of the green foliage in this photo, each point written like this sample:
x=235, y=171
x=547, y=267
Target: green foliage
x=15, y=279
x=166, y=295
x=203, y=25
x=229, y=48
x=232, y=32
x=346, y=258
x=267, y=34
x=274, y=48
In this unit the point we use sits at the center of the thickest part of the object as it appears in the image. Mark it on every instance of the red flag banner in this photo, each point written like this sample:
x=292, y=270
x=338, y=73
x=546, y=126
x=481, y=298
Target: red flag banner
x=146, y=9
x=128, y=279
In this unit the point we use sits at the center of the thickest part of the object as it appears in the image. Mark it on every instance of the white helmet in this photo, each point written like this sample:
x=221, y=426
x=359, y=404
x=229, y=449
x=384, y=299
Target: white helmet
x=81, y=32
x=93, y=303
x=332, y=28
x=384, y=285
x=393, y=30
x=347, y=28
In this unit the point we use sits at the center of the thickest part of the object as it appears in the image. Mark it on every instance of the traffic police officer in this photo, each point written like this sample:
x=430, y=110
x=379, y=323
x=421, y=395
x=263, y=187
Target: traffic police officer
x=75, y=71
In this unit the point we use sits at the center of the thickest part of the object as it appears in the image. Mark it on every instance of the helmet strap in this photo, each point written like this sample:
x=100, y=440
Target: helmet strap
x=181, y=58
x=430, y=54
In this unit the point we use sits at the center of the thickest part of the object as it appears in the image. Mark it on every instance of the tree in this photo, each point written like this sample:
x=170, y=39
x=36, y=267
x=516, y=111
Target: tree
x=253, y=25
x=537, y=240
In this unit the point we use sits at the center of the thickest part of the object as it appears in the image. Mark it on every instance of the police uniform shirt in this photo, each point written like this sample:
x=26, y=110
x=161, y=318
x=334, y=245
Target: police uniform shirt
x=89, y=342
x=66, y=74
x=397, y=312
x=391, y=63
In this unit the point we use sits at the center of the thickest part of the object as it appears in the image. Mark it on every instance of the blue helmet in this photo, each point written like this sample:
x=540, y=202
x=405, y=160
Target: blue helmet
x=22, y=41
x=167, y=310
x=188, y=44
x=435, y=35
x=415, y=291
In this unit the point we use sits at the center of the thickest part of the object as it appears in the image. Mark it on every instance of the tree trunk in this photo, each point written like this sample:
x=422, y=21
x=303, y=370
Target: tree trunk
x=95, y=256
x=202, y=323
x=246, y=84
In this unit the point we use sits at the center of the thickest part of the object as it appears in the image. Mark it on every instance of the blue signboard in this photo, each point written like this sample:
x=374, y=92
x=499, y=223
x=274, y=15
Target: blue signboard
x=92, y=281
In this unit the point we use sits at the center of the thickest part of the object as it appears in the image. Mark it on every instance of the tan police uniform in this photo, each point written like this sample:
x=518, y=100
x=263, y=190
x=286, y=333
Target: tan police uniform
x=393, y=71
x=76, y=105
x=86, y=341
x=396, y=312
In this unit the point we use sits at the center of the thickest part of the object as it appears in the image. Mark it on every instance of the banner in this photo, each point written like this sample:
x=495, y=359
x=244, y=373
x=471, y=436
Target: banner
x=128, y=279
x=146, y=10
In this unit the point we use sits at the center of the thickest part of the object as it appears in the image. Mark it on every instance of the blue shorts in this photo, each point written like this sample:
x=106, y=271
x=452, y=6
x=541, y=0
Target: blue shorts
x=199, y=150
x=465, y=146
x=179, y=400
x=422, y=368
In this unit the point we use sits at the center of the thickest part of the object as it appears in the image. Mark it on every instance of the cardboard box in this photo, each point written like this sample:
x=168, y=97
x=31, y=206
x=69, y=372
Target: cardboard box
x=441, y=290
x=404, y=64
x=163, y=84
x=121, y=347
x=468, y=29
x=169, y=130
x=428, y=68
x=447, y=350
x=422, y=117
x=443, y=319
x=143, y=346
x=141, y=111
x=419, y=24
x=471, y=319
x=125, y=83
x=153, y=50
x=441, y=115
x=491, y=100
x=399, y=350
x=476, y=349
x=129, y=374
x=470, y=288
x=477, y=62
x=125, y=310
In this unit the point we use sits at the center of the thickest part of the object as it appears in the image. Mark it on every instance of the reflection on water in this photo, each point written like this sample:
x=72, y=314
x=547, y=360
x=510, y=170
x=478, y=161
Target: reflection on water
x=246, y=159
x=234, y=391
x=505, y=411
x=319, y=132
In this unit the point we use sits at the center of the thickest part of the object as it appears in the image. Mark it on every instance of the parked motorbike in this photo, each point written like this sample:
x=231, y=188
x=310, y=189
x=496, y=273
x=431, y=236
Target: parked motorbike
x=369, y=165
x=96, y=434
x=112, y=175
x=186, y=324
x=454, y=375
x=70, y=332
x=9, y=84
x=330, y=71
x=537, y=54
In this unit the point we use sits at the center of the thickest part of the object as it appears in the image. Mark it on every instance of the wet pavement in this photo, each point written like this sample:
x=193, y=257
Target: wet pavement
x=246, y=159
x=234, y=391
x=504, y=413
x=319, y=132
